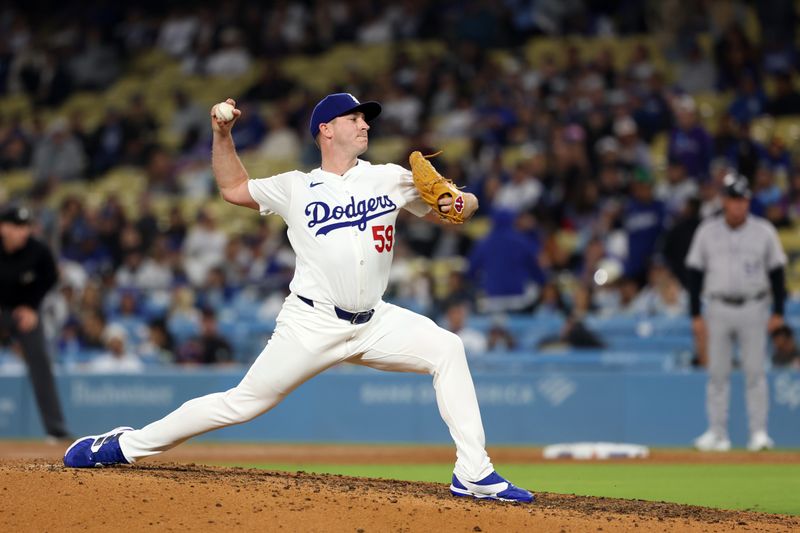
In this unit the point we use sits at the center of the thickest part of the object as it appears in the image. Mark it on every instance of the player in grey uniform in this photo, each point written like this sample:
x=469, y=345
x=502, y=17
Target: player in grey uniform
x=737, y=262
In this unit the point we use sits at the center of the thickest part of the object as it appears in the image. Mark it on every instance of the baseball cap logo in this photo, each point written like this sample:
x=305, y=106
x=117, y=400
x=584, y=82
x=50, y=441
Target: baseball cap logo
x=355, y=100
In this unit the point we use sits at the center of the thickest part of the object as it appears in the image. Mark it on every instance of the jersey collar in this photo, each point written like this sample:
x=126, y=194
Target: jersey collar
x=359, y=167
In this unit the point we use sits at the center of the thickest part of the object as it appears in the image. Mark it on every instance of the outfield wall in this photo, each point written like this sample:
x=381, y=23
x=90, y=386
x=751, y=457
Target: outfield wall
x=654, y=408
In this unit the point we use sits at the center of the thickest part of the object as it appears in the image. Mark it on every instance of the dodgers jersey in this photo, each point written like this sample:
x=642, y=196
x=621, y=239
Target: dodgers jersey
x=736, y=261
x=341, y=228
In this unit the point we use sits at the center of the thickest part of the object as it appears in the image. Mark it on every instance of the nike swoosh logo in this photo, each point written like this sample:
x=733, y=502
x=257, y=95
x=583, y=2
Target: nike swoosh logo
x=485, y=489
x=315, y=184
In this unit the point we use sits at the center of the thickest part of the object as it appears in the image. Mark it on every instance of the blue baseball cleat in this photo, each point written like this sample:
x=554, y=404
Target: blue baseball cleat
x=96, y=450
x=492, y=487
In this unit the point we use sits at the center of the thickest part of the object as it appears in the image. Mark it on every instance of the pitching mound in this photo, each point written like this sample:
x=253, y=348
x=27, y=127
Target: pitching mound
x=41, y=495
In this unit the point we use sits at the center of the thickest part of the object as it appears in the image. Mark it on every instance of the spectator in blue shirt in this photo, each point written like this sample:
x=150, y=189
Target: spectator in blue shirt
x=689, y=142
x=750, y=101
x=505, y=267
x=643, y=220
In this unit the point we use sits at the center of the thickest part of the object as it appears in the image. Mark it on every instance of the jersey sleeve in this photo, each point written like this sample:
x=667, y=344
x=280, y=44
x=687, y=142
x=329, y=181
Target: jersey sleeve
x=776, y=257
x=696, y=258
x=414, y=203
x=273, y=194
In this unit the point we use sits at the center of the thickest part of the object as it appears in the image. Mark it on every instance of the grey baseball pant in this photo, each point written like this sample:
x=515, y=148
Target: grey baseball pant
x=745, y=325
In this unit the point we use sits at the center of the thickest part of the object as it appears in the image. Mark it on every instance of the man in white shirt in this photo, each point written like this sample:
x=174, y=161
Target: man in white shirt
x=341, y=219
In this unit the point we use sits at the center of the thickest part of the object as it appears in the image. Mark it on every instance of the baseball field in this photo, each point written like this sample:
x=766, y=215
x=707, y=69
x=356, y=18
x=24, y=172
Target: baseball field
x=269, y=487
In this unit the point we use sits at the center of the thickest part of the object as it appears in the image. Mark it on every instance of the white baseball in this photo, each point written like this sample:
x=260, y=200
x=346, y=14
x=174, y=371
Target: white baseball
x=224, y=111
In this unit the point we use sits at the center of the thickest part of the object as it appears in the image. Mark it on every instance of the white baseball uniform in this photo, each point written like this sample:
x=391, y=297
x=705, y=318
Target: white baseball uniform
x=342, y=231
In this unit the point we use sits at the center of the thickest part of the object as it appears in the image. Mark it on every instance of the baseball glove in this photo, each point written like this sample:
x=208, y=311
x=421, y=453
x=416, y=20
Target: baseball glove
x=432, y=186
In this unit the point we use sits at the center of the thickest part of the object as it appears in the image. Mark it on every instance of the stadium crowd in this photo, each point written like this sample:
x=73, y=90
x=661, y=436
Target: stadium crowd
x=615, y=164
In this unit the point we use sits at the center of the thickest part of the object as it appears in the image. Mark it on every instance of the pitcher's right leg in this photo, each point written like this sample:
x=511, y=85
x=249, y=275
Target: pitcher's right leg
x=305, y=343
x=282, y=366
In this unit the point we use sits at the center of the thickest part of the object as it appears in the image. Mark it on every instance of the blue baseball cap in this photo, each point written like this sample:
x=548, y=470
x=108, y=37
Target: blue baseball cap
x=338, y=104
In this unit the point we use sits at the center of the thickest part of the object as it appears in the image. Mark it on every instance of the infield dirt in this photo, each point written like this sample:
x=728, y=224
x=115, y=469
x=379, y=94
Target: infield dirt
x=174, y=493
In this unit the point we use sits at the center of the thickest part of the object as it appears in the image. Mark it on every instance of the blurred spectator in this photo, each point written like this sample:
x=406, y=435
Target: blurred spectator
x=677, y=189
x=58, y=156
x=178, y=31
x=216, y=292
x=689, y=142
x=520, y=193
x=160, y=345
x=128, y=314
x=786, y=100
x=734, y=55
x=107, y=143
x=401, y=111
x=250, y=128
x=237, y=261
x=209, y=347
x=663, y=295
x=745, y=154
x=184, y=318
x=188, y=117
x=710, y=190
x=15, y=144
x=791, y=200
x=176, y=229
x=696, y=73
x=204, y=247
x=500, y=338
x=96, y=64
x=456, y=119
x=271, y=85
x=644, y=222
x=573, y=334
x=651, y=109
x=750, y=101
x=505, y=267
x=282, y=141
x=92, y=324
x=633, y=152
x=678, y=238
x=551, y=303
x=137, y=32
x=116, y=359
x=457, y=315
x=147, y=222
x=766, y=191
x=778, y=159
x=140, y=272
x=785, y=353
x=141, y=129
x=232, y=59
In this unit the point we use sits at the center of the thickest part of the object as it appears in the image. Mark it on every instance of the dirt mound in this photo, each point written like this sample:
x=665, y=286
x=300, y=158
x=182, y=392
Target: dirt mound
x=42, y=495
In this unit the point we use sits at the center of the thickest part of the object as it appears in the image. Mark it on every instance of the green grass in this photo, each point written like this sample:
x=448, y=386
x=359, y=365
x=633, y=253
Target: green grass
x=769, y=488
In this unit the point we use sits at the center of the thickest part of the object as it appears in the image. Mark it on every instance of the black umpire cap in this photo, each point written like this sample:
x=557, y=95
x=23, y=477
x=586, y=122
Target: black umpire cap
x=736, y=186
x=16, y=214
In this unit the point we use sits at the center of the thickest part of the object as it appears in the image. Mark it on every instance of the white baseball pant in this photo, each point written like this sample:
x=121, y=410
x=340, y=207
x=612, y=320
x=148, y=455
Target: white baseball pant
x=308, y=340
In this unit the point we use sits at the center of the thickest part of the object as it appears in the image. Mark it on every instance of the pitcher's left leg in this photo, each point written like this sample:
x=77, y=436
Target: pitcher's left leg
x=402, y=341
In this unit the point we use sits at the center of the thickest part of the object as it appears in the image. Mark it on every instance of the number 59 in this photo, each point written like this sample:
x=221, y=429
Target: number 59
x=384, y=237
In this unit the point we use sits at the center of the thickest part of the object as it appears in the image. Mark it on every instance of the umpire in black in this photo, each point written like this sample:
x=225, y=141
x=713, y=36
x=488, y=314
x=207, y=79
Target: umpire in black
x=27, y=273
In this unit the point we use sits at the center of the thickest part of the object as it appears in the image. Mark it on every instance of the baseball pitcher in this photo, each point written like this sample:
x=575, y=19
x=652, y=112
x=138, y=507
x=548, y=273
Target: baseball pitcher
x=341, y=223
